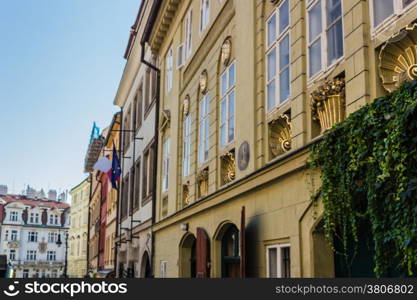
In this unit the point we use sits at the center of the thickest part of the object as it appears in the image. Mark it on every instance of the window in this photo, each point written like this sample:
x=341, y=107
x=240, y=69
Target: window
x=147, y=173
x=126, y=128
x=163, y=266
x=13, y=236
x=137, y=185
x=34, y=218
x=132, y=188
x=139, y=106
x=33, y=236
x=188, y=34
x=204, y=14
x=203, y=128
x=51, y=256
x=169, y=61
x=52, y=237
x=6, y=235
x=186, y=162
x=13, y=216
x=227, y=106
x=383, y=9
x=31, y=255
x=25, y=273
x=54, y=274
x=325, y=43
x=165, y=166
x=125, y=197
x=12, y=254
x=278, y=56
x=278, y=261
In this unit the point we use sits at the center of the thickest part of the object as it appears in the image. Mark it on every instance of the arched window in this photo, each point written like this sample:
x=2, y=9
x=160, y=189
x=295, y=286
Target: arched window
x=230, y=255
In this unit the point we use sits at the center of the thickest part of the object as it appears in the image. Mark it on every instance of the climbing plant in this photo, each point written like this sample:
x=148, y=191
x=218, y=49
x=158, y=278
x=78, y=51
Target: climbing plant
x=368, y=170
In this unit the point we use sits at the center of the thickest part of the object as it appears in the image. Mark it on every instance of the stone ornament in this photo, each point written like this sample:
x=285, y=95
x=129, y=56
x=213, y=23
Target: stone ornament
x=280, y=135
x=228, y=167
x=202, y=179
x=186, y=195
x=328, y=103
x=203, y=82
x=226, y=52
x=398, y=59
x=186, y=106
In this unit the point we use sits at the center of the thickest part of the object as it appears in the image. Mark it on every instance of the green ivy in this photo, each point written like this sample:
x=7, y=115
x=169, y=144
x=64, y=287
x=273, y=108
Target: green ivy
x=368, y=167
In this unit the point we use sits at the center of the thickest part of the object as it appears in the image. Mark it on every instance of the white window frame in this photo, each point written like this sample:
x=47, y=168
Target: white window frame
x=51, y=255
x=229, y=91
x=399, y=10
x=279, y=258
x=188, y=34
x=12, y=254
x=14, y=216
x=13, y=235
x=204, y=14
x=169, y=68
x=163, y=268
x=32, y=236
x=165, y=165
x=275, y=46
x=186, y=162
x=204, y=129
x=31, y=255
x=325, y=66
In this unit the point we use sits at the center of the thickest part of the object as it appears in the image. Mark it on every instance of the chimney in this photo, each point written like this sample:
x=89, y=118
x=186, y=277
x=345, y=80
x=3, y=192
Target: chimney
x=3, y=190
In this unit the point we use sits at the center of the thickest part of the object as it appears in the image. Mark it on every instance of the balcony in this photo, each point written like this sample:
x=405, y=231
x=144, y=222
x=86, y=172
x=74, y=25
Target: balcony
x=38, y=263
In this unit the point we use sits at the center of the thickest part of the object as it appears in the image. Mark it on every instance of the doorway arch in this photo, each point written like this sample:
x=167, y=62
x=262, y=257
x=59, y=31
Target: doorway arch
x=145, y=266
x=188, y=267
x=227, y=248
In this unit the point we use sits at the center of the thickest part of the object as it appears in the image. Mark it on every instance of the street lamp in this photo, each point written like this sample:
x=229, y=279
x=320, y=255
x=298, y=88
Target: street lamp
x=59, y=243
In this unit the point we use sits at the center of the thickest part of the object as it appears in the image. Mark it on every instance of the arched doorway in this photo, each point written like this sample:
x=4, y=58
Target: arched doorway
x=145, y=266
x=228, y=251
x=188, y=266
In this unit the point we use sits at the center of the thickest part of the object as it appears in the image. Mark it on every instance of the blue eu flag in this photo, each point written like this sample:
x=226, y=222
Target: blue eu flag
x=116, y=171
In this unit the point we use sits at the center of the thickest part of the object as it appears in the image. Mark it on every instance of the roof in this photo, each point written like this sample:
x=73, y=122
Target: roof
x=34, y=203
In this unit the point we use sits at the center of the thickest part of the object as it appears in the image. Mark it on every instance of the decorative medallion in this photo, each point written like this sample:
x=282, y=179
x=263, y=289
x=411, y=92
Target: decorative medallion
x=243, y=156
x=13, y=245
x=226, y=52
x=280, y=135
x=328, y=103
x=203, y=82
x=398, y=59
x=186, y=106
x=43, y=246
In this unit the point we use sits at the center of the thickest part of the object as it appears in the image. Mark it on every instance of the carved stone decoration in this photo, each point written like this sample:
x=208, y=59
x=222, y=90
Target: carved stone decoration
x=280, y=135
x=165, y=121
x=226, y=52
x=186, y=195
x=202, y=180
x=164, y=209
x=328, y=103
x=43, y=246
x=203, y=82
x=228, y=170
x=186, y=106
x=398, y=59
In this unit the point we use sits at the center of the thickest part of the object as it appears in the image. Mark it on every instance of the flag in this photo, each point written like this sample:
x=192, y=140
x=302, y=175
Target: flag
x=115, y=172
x=103, y=164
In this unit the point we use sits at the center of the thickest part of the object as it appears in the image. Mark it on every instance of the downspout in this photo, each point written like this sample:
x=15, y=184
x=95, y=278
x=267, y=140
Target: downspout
x=156, y=138
x=89, y=223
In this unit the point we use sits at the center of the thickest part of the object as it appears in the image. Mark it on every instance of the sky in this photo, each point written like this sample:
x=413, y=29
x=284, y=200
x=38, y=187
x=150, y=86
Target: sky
x=60, y=66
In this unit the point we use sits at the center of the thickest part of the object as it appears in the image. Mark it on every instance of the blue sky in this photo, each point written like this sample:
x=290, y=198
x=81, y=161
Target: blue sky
x=60, y=65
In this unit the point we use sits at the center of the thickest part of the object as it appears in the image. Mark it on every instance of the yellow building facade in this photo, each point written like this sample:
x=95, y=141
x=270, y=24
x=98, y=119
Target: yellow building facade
x=246, y=87
x=77, y=235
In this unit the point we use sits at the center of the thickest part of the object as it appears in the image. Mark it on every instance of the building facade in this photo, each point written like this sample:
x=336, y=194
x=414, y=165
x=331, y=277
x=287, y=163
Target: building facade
x=137, y=98
x=247, y=86
x=34, y=235
x=77, y=239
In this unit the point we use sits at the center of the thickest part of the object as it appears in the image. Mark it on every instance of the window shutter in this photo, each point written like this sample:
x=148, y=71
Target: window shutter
x=202, y=253
x=242, y=244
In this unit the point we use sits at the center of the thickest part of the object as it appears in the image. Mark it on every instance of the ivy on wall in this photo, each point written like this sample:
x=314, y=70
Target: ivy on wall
x=368, y=167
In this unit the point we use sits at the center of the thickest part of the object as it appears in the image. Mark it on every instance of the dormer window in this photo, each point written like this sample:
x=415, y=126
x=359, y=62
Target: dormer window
x=13, y=216
x=34, y=218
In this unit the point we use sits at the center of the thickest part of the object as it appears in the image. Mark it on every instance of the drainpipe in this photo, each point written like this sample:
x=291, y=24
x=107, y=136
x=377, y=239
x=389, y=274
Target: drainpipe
x=90, y=180
x=156, y=138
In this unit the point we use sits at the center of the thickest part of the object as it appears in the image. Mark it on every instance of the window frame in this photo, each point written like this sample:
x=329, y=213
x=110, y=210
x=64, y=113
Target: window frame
x=204, y=15
x=275, y=45
x=166, y=145
x=398, y=11
x=325, y=66
x=186, y=159
x=15, y=215
x=229, y=91
x=203, y=123
x=188, y=34
x=279, y=248
x=169, y=69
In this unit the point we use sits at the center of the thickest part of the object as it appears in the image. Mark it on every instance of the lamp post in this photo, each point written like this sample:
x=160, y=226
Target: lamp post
x=59, y=243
